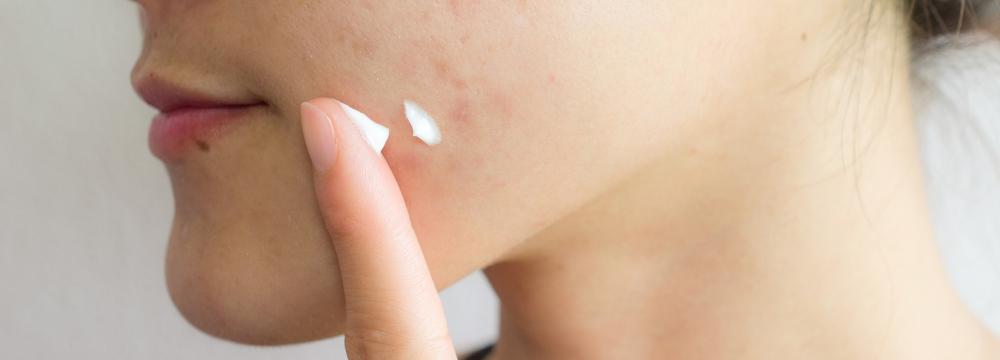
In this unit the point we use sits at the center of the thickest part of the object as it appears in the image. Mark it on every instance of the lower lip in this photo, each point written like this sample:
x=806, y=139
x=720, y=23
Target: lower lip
x=174, y=134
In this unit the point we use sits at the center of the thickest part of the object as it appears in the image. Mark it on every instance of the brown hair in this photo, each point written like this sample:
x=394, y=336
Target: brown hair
x=939, y=17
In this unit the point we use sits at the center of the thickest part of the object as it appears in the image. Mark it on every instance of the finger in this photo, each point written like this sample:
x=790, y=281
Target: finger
x=393, y=309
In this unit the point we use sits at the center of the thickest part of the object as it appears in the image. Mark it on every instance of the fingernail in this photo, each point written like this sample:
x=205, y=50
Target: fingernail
x=375, y=134
x=320, y=139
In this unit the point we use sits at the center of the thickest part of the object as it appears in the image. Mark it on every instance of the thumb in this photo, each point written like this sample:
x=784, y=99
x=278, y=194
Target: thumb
x=392, y=306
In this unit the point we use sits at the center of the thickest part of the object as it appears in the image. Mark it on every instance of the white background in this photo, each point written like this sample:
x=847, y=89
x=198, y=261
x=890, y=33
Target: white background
x=84, y=208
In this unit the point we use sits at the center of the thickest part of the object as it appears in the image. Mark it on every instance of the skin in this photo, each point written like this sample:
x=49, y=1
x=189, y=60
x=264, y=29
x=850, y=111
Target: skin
x=641, y=179
x=391, y=305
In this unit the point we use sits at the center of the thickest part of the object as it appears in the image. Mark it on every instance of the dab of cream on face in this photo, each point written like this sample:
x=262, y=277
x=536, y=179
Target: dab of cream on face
x=375, y=134
x=424, y=126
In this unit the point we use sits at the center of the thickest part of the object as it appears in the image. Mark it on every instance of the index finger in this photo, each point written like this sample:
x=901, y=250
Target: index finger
x=392, y=306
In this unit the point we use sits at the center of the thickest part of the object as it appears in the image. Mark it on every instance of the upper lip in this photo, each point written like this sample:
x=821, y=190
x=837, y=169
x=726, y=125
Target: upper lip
x=167, y=96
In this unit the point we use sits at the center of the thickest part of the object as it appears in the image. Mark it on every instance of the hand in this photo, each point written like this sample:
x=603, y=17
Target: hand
x=392, y=306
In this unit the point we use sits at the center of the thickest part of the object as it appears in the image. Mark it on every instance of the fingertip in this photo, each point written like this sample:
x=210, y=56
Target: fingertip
x=387, y=284
x=320, y=137
x=375, y=134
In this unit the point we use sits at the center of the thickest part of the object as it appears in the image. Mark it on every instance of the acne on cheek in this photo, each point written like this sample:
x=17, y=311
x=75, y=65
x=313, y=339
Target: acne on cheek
x=470, y=97
x=461, y=87
x=456, y=69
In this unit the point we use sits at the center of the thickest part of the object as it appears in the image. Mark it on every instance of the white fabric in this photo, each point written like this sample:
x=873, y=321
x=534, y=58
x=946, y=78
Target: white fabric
x=957, y=97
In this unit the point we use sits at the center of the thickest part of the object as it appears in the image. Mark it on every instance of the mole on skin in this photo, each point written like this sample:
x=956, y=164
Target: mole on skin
x=202, y=145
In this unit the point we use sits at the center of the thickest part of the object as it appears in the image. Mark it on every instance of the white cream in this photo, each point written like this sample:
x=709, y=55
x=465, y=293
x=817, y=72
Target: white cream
x=424, y=126
x=375, y=134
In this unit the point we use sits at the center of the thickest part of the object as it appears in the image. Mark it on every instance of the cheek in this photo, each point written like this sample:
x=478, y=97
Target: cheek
x=487, y=102
x=499, y=91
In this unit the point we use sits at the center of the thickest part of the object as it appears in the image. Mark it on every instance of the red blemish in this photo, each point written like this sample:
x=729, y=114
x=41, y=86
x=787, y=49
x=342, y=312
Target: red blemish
x=441, y=69
x=346, y=36
x=460, y=112
x=445, y=73
x=340, y=35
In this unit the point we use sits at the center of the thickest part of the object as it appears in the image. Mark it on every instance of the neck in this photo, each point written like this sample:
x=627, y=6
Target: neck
x=812, y=241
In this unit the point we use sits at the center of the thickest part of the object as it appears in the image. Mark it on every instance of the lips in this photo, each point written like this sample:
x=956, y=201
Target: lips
x=189, y=119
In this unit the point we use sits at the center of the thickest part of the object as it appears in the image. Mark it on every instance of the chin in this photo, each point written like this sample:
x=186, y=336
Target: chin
x=248, y=258
x=229, y=286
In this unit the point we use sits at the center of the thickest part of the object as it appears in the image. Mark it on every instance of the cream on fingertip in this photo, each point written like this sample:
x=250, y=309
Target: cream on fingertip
x=374, y=133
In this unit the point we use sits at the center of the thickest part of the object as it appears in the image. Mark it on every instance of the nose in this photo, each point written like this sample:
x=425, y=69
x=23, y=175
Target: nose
x=153, y=13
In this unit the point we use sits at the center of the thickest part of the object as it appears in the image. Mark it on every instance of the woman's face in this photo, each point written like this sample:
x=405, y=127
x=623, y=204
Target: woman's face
x=543, y=106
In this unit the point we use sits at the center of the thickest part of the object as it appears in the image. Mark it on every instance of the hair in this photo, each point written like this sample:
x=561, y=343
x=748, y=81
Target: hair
x=931, y=18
